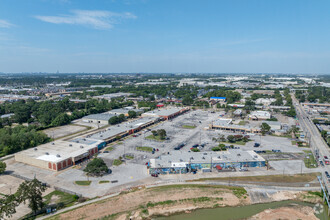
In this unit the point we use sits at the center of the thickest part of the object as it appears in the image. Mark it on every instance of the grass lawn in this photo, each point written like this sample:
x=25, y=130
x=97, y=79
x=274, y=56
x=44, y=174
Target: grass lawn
x=189, y=126
x=83, y=183
x=117, y=162
x=294, y=142
x=237, y=142
x=63, y=197
x=271, y=178
x=104, y=181
x=310, y=161
x=109, y=148
x=147, y=149
x=242, y=123
x=152, y=137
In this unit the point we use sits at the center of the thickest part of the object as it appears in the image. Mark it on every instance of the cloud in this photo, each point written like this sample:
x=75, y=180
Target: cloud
x=95, y=19
x=5, y=24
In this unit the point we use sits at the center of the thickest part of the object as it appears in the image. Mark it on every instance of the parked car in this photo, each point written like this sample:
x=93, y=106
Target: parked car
x=105, y=151
x=256, y=145
x=327, y=174
x=154, y=175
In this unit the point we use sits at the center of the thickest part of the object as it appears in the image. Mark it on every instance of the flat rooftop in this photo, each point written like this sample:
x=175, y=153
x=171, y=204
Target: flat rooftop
x=175, y=158
x=164, y=111
x=102, y=116
x=57, y=151
x=120, y=128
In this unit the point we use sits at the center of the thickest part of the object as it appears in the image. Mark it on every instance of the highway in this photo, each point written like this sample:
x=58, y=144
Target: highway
x=317, y=144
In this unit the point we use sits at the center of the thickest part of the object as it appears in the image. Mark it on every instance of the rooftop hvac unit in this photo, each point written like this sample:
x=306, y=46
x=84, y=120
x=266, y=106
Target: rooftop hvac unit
x=35, y=148
x=81, y=146
x=203, y=158
x=57, y=155
x=47, y=153
x=53, y=143
x=70, y=145
x=238, y=155
x=84, y=139
x=77, y=141
x=181, y=160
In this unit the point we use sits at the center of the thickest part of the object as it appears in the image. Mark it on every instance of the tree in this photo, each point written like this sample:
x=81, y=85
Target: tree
x=154, y=133
x=8, y=206
x=96, y=167
x=2, y=167
x=161, y=133
x=187, y=100
x=132, y=114
x=113, y=120
x=32, y=192
x=61, y=119
x=231, y=138
x=121, y=118
x=264, y=128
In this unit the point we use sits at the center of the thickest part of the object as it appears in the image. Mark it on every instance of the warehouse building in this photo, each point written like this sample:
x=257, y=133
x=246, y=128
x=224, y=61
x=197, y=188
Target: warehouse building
x=111, y=133
x=185, y=162
x=259, y=115
x=102, y=118
x=57, y=155
x=226, y=125
x=165, y=113
x=124, y=111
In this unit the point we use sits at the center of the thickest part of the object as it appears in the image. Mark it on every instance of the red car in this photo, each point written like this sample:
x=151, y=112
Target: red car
x=154, y=175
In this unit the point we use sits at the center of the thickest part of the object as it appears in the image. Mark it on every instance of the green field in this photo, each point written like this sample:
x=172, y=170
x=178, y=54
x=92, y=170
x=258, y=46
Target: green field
x=189, y=126
x=147, y=149
x=63, y=197
x=83, y=183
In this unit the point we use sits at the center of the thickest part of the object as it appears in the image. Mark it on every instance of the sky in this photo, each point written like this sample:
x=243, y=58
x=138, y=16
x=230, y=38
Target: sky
x=163, y=36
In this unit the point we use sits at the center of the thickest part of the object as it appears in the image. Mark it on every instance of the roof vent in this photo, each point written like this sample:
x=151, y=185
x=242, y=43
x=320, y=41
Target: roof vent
x=70, y=145
x=84, y=139
x=53, y=143
x=47, y=153
x=203, y=158
x=238, y=155
x=101, y=135
x=77, y=141
x=219, y=157
x=81, y=146
x=35, y=148
x=57, y=155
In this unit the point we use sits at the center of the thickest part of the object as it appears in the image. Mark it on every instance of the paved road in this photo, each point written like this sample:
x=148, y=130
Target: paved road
x=316, y=141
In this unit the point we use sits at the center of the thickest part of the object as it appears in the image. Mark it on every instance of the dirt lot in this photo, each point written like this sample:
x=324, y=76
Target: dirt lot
x=9, y=183
x=184, y=198
x=62, y=131
x=300, y=212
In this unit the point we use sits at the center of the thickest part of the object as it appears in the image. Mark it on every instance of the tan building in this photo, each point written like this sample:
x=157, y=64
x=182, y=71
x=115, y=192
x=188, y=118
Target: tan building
x=57, y=155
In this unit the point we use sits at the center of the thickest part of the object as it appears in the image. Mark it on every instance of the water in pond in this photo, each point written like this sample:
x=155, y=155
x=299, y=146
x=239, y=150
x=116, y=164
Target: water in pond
x=235, y=213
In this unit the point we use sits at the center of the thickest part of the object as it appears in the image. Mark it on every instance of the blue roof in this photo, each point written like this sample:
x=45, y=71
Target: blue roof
x=217, y=97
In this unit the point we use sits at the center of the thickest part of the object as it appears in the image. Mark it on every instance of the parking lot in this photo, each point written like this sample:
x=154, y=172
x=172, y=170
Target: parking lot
x=134, y=170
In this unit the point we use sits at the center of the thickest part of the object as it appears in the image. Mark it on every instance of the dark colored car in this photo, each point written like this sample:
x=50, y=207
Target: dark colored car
x=195, y=146
x=256, y=145
x=154, y=175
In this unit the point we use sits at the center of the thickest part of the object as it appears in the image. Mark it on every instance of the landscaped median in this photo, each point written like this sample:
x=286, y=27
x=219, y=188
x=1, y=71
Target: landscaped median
x=83, y=183
x=146, y=149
